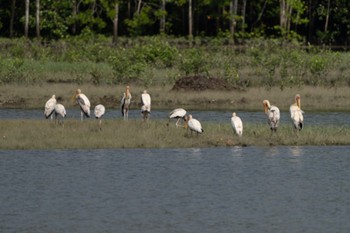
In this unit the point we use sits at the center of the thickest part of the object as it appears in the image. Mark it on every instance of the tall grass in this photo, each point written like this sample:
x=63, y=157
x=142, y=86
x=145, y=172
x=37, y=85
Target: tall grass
x=45, y=134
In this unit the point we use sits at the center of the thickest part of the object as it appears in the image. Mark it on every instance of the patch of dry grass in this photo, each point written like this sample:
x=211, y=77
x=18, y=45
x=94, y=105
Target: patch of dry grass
x=45, y=134
x=312, y=98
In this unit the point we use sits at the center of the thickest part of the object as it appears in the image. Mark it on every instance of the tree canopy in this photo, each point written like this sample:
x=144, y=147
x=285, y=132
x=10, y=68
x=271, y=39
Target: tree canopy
x=309, y=21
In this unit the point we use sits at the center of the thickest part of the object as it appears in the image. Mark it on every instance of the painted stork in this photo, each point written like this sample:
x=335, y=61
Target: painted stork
x=50, y=107
x=237, y=124
x=194, y=125
x=99, y=112
x=84, y=104
x=125, y=103
x=297, y=114
x=60, y=111
x=178, y=114
x=273, y=115
x=146, y=105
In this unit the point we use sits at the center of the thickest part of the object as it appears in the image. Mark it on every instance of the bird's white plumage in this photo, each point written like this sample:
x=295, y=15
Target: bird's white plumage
x=60, y=110
x=99, y=111
x=178, y=113
x=146, y=102
x=84, y=103
x=194, y=125
x=50, y=106
x=273, y=115
x=237, y=124
x=296, y=114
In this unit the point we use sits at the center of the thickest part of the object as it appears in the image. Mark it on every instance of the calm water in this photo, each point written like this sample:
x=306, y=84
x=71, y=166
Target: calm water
x=250, y=189
x=336, y=118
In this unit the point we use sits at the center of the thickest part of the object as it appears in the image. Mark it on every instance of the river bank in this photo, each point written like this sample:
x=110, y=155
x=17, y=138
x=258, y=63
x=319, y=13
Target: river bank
x=163, y=97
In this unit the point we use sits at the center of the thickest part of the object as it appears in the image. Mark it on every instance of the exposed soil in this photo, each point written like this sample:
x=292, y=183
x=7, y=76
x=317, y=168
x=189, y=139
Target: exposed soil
x=201, y=83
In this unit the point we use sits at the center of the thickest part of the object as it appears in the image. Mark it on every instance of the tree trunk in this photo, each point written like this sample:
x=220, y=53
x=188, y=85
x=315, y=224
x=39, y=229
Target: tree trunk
x=233, y=14
x=190, y=20
x=74, y=13
x=162, y=20
x=13, y=10
x=37, y=21
x=26, y=22
x=115, y=23
x=244, y=8
x=139, y=7
x=327, y=16
x=283, y=19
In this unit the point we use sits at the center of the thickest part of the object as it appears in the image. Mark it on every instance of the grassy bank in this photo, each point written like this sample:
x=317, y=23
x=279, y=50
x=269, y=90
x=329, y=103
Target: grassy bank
x=45, y=134
x=313, y=98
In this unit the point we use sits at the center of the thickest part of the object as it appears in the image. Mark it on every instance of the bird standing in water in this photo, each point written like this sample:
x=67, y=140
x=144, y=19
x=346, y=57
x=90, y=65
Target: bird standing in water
x=146, y=105
x=273, y=115
x=99, y=112
x=125, y=103
x=60, y=110
x=84, y=103
x=178, y=113
x=296, y=114
x=50, y=107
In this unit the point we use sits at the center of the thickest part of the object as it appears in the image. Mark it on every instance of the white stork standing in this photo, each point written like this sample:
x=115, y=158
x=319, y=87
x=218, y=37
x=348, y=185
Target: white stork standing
x=84, y=104
x=146, y=105
x=194, y=125
x=50, y=107
x=237, y=124
x=60, y=111
x=99, y=112
x=178, y=114
x=125, y=103
x=273, y=115
x=297, y=114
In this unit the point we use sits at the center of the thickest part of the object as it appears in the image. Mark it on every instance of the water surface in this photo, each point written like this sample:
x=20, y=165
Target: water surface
x=240, y=189
x=312, y=118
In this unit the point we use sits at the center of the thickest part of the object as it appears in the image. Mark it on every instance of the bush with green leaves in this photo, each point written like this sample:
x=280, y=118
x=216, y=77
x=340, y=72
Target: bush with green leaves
x=11, y=71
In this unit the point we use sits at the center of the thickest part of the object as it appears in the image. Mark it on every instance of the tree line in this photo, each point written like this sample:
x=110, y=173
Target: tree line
x=309, y=21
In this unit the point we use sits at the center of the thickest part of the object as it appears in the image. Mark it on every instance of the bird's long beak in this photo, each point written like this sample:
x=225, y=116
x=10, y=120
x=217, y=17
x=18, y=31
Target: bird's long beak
x=185, y=125
x=265, y=108
x=74, y=96
x=298, y=102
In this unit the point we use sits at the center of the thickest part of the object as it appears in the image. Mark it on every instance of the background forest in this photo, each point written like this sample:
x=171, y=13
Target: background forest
x=283, y=43
x=308, y=21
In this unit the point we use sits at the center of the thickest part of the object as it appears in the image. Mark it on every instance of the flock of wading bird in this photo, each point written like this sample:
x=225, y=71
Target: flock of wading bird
x=54, y=109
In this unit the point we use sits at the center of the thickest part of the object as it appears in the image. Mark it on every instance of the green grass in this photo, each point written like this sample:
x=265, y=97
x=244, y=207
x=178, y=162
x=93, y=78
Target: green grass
x=45, y=134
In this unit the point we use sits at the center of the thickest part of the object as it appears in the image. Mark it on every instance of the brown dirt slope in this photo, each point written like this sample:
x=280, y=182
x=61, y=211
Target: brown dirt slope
x=201, y=83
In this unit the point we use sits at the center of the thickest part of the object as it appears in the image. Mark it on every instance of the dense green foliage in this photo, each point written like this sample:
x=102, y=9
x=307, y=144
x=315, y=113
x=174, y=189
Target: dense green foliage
x=163, y=60
x=314, y=21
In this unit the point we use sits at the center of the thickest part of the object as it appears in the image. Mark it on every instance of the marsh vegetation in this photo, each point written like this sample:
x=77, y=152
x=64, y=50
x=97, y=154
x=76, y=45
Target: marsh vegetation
x=45, y=134
x=31, y=71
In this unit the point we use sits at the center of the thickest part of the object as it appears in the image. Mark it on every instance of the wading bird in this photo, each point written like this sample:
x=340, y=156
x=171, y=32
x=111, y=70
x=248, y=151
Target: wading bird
x=60, y=111
x=297, y=114
x=194, y=125
x=237, y=124
x=99, y=112
x=50, y=107
x=146, y=105
x=84, y=104
x=125, y=103
x=178, y=114
x=273, y=115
